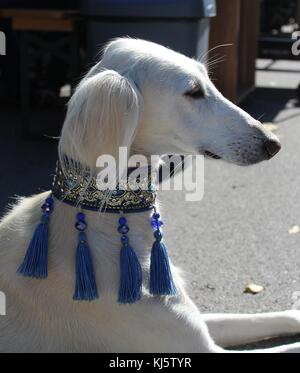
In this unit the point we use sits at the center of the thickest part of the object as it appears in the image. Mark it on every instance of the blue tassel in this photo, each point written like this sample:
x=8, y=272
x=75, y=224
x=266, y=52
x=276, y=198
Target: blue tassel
x=130, y=269
x=35, y=263
x=85, y=288
x=161, y=280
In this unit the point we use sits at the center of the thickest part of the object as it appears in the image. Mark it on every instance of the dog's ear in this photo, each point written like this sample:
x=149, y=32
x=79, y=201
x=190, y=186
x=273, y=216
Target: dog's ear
x=102, y=115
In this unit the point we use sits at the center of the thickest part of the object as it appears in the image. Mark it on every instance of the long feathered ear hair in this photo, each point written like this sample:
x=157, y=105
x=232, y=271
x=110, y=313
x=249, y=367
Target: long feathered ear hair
x=103, y=114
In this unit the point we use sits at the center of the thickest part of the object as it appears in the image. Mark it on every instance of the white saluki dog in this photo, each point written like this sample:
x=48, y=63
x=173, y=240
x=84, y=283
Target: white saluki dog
x=154, y=101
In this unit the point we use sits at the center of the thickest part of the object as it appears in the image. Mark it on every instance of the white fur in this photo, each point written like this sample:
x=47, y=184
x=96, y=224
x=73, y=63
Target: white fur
x=133, y=97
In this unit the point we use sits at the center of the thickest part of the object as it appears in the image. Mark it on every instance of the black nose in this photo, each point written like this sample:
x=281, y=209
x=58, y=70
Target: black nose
x=272, y=147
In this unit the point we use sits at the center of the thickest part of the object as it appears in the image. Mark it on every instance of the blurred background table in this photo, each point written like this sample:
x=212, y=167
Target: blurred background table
x=38, y=46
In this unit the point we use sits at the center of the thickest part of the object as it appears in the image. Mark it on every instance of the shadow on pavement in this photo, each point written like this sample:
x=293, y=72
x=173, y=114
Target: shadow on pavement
x=265, y=103
x=268, y=343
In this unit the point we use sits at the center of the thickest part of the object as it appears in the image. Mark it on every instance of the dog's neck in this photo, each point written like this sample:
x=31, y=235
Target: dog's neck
x=103, y=238
x=104, y=242
x=104, y=227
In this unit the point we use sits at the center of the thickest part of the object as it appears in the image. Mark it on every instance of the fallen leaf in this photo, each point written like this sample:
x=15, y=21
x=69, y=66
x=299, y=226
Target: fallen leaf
x=253, y=288
x=270, y=126
x=294, y=229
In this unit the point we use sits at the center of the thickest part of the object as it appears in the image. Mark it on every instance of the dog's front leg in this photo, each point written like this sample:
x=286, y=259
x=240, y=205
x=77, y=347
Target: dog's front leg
x=236, y=329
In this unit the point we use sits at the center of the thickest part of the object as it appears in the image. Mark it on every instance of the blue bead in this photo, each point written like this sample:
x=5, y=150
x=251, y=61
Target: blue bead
x=49, y=201
x=122, y=221
x=124, y=239
x=80, y=226
x=156, y=215
x=123, y=229
x=80, y=216
x=46, y=208
x=156, y=223
x=158, y=235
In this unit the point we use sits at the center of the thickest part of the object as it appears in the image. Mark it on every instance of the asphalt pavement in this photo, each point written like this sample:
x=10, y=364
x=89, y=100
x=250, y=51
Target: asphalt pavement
x=239, y=232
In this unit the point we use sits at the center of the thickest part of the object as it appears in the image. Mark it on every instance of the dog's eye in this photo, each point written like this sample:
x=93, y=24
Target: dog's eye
x=196, y=92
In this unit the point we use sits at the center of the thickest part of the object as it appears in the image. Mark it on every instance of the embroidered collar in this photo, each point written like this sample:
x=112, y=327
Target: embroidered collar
x=80, y=189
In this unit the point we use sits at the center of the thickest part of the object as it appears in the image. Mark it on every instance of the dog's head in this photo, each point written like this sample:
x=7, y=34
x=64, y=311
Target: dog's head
x=156, y=101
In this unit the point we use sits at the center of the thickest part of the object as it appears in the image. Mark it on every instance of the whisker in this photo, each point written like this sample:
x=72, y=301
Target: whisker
x=261, y=116
x=213, y=63
x=208, y=63
x=210, y=67
x=213, y=48
x=213, y=58
x=175, y=169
